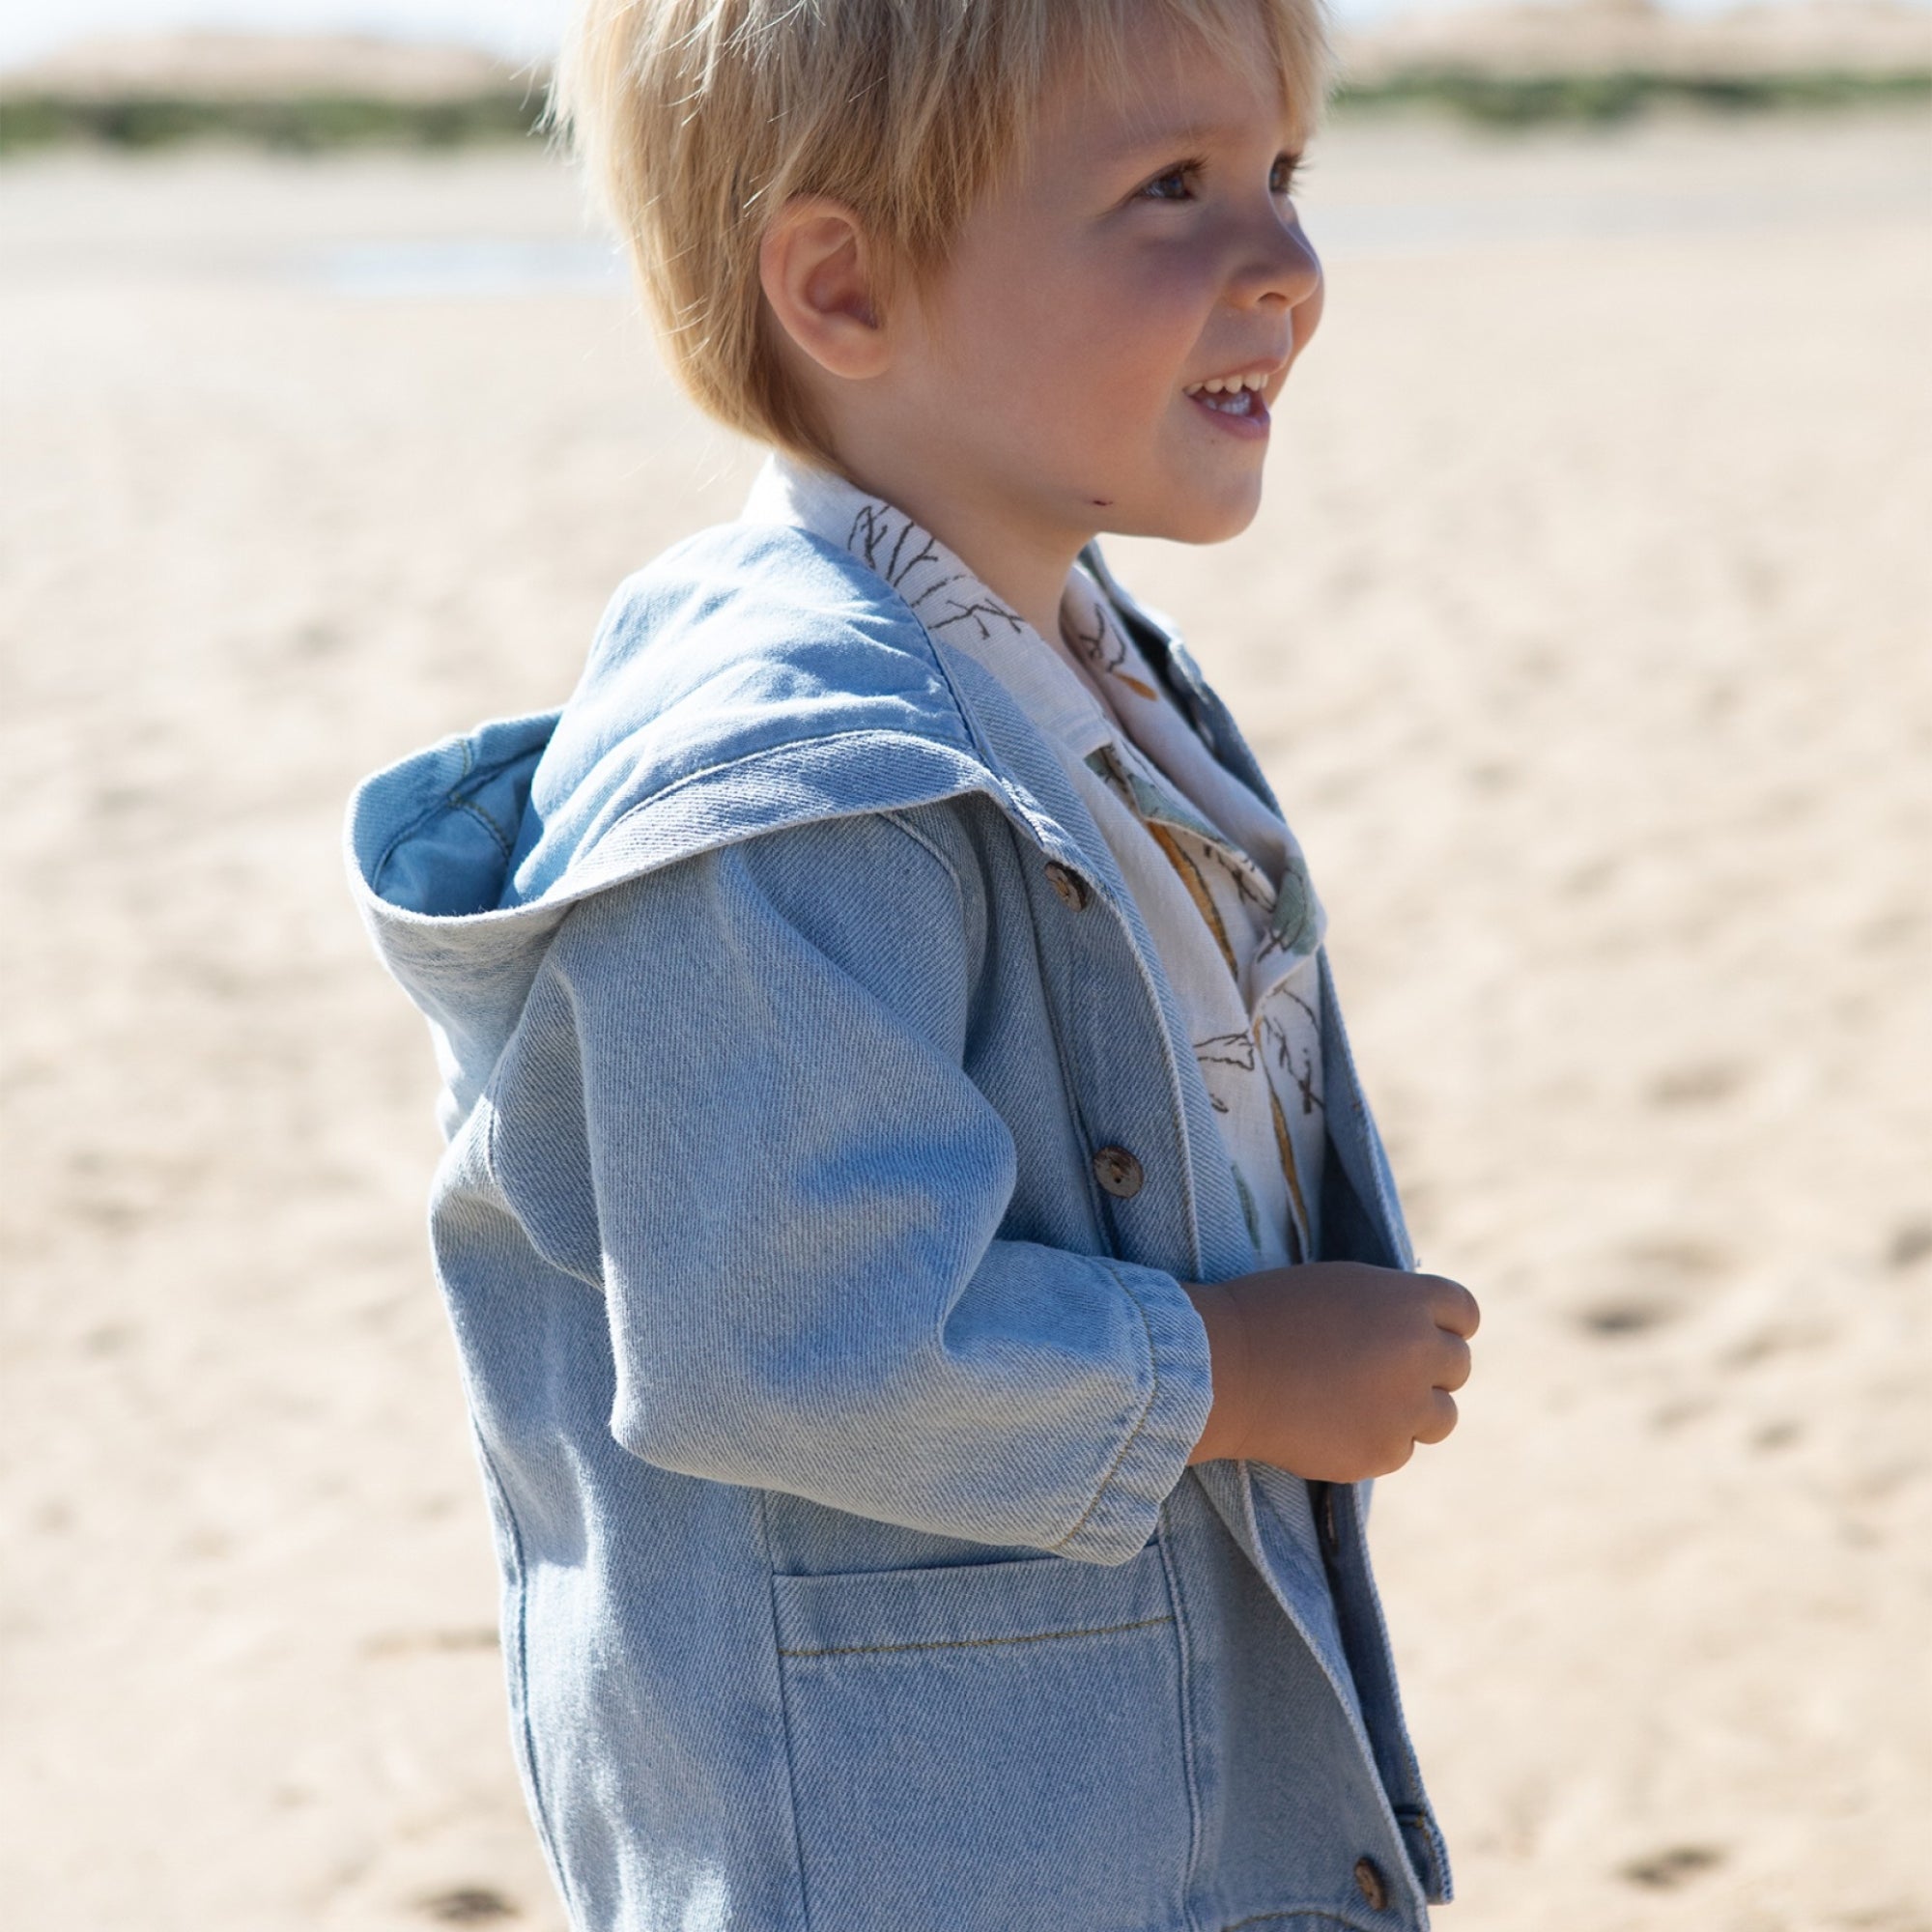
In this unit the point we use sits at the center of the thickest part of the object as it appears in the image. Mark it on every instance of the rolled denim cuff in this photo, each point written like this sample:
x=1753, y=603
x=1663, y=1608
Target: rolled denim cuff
x=1150, y=1456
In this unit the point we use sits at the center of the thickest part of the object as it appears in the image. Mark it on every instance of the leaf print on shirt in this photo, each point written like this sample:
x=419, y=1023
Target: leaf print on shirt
x=1155, y=801
x=1294, y=927
x=1243, y=874
x=1291, y=1173
x=879, y=536
x=1235, y=1051
x=981, y=611
x=1192, y=878
x=1249, y=1212
x=1173, y=826
x=882, y=538
x=1308, y=1075
x=1106, y=650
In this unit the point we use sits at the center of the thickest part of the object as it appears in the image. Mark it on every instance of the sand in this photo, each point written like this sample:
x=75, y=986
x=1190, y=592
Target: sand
x=1585, y=634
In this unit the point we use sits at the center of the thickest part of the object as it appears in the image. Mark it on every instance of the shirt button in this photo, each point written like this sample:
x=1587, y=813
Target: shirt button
x=1069, y=885
x=1371, y=1884
x=1118, y=1171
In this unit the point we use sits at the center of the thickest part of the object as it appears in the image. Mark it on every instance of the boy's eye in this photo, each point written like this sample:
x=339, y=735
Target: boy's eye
x=1177, y=184
x=1179, y=181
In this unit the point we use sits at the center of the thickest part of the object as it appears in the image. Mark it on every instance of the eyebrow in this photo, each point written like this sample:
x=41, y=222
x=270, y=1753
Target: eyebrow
x=1178, y=136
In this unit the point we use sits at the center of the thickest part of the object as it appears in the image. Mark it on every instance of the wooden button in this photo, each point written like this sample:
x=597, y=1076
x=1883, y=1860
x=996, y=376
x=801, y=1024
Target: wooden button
x=1118, y=1171
x=1069, y=885
x=1371, y=1884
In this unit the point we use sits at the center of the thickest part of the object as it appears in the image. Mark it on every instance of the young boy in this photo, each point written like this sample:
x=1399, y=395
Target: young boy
x=928, y=1287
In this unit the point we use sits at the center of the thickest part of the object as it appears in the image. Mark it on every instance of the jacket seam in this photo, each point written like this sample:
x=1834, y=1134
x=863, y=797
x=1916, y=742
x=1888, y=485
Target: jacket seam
x=482, y=818
x=791, y=744
x=900, y=822
x=1184, y=1691
x=539, y=1800
x=440, y=803
x=981, y=1642
x=1326, y=1914
x=1178, y=1110
x=1063, y=1053
x=784, y=1719
x=1140, y=1421
x=1407, y=1765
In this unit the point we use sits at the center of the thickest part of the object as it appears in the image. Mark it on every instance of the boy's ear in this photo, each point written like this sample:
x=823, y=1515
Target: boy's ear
x=817, y=267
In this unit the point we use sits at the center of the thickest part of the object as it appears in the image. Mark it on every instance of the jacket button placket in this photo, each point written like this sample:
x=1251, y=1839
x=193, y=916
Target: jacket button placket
x=1118, y=1171
x=1068, y=884
x=1371, y=1884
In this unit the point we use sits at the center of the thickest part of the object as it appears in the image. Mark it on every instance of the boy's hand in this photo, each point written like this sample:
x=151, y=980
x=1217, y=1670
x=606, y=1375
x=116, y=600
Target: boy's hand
x=1335, y=1370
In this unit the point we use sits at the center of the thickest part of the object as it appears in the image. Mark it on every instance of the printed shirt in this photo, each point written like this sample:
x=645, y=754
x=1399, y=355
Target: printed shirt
x=1219, y=881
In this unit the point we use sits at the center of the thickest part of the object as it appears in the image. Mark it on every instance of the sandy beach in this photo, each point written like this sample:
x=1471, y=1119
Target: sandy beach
x=1585, y=636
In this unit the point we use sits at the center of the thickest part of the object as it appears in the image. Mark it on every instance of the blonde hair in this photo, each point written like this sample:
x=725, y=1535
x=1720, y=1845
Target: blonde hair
x=700, y=119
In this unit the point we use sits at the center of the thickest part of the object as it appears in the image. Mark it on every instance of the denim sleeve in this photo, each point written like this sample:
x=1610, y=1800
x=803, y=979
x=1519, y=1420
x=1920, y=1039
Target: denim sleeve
x=798, y=1191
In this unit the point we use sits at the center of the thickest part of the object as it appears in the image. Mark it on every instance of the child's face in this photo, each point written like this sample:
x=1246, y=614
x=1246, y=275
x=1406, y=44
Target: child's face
x=1147, y=247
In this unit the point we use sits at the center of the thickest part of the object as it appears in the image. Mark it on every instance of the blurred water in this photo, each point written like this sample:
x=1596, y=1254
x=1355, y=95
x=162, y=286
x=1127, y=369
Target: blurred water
x=483, y=267
x=475, y=267
x=1439, y=227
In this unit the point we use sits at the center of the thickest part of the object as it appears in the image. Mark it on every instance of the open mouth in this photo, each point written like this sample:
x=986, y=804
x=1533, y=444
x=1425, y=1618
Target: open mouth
x=1232, y=396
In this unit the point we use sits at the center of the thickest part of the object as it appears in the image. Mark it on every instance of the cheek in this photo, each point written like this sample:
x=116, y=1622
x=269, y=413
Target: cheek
x=1152, y=311
x=1307, y=316
x=1075, y=363
x=1106, y=357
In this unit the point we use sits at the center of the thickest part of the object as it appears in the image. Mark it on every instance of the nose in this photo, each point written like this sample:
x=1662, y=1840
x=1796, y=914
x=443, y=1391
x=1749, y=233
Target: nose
x=1279, y=267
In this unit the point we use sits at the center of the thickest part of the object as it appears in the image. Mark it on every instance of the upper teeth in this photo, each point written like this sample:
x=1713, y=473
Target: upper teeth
x=1225, y=384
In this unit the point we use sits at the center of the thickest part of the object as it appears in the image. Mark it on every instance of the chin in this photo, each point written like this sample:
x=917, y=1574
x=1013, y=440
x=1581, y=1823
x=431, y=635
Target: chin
x=1191, y=510
x=1204, y=518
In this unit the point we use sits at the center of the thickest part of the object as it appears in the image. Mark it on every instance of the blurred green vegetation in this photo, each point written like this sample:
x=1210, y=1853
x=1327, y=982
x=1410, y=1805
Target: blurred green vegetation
x=1513, y=101
x=296, y=124
x=312, y=122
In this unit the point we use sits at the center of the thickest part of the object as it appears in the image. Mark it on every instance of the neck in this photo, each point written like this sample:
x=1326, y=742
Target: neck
x=1020, y=562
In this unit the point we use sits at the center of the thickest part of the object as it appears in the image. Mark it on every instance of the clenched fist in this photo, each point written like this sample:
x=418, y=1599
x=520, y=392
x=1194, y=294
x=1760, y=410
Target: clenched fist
x=1335, y=1370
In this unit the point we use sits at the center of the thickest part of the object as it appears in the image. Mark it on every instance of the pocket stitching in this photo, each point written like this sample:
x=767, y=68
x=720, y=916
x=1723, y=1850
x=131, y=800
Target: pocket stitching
x=979, y=1642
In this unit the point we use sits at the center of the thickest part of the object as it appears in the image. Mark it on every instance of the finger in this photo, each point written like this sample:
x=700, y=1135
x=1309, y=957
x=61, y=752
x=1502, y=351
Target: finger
x=1455, y=1363
x=1440, y=1418
x=1453, y=1307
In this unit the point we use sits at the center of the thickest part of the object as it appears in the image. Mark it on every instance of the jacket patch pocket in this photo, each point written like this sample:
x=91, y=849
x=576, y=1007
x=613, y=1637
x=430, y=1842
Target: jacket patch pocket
x=993, y=1745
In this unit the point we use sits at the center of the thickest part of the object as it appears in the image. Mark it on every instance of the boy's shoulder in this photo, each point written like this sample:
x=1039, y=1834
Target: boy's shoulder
x=749, y=589
x=750, y=666
x=752, y=634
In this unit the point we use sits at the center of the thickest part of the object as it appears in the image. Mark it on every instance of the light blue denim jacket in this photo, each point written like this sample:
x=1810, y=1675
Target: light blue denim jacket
x=821, y=1175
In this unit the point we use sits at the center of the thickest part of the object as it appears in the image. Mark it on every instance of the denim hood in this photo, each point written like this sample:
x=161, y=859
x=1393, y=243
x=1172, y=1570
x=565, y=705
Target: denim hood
x=684, y=733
